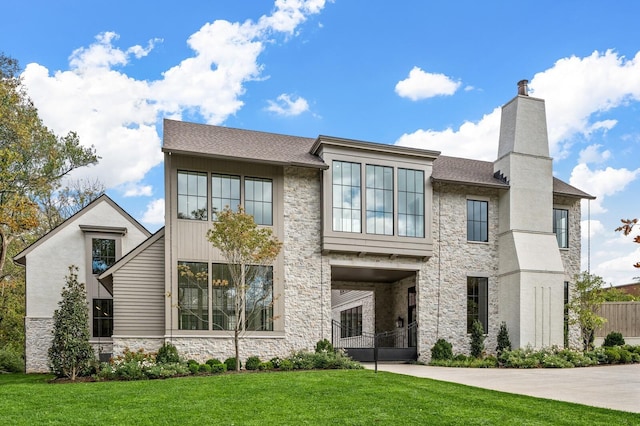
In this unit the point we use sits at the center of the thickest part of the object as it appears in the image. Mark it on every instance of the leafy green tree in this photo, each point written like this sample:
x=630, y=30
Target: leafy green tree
x=71, y=354
x=584, y=307
x=245, y=247
x=626, y=229
x=33, y=160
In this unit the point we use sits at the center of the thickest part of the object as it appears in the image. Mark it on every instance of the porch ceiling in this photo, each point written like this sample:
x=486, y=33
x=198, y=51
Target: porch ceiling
x=369, y=275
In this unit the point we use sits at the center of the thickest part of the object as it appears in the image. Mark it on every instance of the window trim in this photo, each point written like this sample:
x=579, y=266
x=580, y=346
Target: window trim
x=96, y=321
x=482, y=223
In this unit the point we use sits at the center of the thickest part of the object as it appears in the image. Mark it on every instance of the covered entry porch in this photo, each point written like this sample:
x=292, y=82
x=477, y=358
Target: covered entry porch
x=374, y=310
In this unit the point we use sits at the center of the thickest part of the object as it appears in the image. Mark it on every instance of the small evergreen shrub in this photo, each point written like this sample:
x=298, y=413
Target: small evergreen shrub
x=214, y=361
x=477, y=339
x=231, y=363
x=167, y=354
x=204, y=369
x=266, y=366
x=613, y=339
x=442, y=350
x=324, y=346
x=504, y=343
x=218, y=368
x=11, y=360
x=253, y=363
x=286, y=365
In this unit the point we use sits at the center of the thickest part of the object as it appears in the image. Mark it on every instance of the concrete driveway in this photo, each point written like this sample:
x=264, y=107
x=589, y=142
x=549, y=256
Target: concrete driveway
x=615, y=386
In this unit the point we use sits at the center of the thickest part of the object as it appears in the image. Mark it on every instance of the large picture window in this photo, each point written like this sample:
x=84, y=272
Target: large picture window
x=477, y=221
x=346, y=197
x=225, y=191
x=192, y=195
x=102, y=317
x=379, y=195
x=561, y=227
x=477, y=302
x=103, y=254
x=410, y=203
x=351, y=322
x=193, y=300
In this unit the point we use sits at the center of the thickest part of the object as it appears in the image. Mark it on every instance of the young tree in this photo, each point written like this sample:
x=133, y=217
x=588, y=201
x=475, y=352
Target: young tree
x=627, y=228
x=33, y=160
x=584, y=306
x=477, y=339
x=71, y=353
x=249, y=252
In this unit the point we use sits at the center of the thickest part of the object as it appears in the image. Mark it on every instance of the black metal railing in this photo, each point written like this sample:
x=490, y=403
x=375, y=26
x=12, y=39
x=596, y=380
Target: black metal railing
x=400, y=338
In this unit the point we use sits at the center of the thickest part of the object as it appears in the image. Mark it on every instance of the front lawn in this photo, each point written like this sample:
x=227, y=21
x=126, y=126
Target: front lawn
x=343, y=397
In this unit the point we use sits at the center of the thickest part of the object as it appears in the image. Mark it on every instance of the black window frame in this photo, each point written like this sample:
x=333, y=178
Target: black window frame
x=103, y=254
x=477, y=220
x=351, y=322
x=102, y=317
x=561, y=227
x=478, y=302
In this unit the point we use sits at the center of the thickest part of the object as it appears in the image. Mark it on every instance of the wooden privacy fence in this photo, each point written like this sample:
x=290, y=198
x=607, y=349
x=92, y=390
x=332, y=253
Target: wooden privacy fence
x=623, y=317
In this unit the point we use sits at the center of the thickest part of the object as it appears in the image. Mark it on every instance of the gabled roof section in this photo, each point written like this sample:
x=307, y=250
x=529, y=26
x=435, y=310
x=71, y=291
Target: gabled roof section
x=237, y=144
x=480, y=173
x=323, y=140
x=106, y=278
x=21, y=258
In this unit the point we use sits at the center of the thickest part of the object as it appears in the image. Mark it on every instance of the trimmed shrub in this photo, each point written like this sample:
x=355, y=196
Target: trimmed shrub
x=613, y=339
x=204, y=368
x=231, y=363
x=266, y=366
x=286, y=365
x=324, y=346
x=253, y=363
x=218, y=368
x=167, y=354
x=504, y=343
x=11, y=360
x=214, y=361
x=442, y=350
x=477, y=339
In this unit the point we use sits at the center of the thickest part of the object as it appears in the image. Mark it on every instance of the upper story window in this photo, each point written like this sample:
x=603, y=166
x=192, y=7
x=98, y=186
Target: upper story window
x=256, y=196
x=225, y=191
x=410, y=203
x=103, y=254
x=346, y=197
x=258, y=200
x=477, y=221
x=561, y=227
x=192, y=195
x=379, y=196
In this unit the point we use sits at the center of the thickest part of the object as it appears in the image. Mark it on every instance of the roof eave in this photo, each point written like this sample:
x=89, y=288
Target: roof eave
x=314, y=165
x=479, y=184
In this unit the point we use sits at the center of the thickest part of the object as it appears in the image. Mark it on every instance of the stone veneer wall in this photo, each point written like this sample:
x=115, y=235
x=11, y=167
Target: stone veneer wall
x=442, y=282
x=38, y=339
x=571, y=257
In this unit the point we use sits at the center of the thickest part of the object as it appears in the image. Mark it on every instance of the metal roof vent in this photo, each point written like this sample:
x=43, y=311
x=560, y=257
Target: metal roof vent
x=522, y=88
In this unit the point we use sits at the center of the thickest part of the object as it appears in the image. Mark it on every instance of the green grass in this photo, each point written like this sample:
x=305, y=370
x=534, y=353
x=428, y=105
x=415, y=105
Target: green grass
x=340, y=397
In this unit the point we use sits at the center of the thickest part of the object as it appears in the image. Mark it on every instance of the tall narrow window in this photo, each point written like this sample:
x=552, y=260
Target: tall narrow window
x=193, y=297
x=223, y=298
x=561, y=227
x=259, y=298
x=103, y=254
x=102, y=317
x=477, y=221
x=410, y=203
x=379, y=200
x=477, y=302
x=225, y=191
x=346, y=197
x=351, y=322
x=192, y=195
x=258, y=200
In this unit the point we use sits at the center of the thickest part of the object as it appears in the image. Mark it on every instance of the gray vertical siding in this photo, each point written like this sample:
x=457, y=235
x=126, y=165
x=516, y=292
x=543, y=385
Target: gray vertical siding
x=138, y=294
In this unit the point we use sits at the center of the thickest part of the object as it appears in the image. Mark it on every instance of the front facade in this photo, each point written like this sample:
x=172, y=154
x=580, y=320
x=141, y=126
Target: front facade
x=421, y=241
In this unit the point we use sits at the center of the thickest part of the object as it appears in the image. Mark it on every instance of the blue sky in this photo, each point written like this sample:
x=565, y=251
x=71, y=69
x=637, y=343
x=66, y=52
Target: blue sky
x=415, y=73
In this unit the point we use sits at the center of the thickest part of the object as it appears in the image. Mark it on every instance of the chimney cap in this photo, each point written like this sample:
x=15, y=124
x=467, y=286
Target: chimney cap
x=522, y=88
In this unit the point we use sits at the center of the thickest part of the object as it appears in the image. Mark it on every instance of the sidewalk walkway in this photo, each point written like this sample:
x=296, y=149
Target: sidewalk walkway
x=616, y=386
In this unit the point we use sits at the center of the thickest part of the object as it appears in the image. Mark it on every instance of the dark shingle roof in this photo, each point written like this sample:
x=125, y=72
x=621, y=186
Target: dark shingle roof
x=248, y=145
x=480, y=173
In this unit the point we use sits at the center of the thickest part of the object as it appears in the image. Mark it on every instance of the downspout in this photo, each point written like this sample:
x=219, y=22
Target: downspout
x=439, y=263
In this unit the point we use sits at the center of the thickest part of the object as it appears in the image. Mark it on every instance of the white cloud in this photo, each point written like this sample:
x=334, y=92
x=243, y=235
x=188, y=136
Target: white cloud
x=592, y=154
x=138, y=190
x=592, y=228
x=618, y=267
x=154, y=215
x=287, y=106
x=120, y=115
x=471, y=140
x=423, y=85
x=601, y=183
